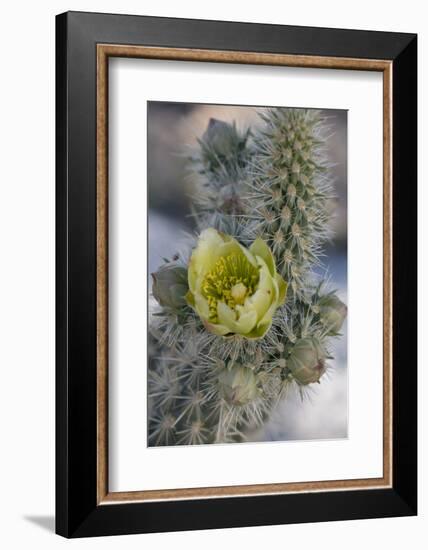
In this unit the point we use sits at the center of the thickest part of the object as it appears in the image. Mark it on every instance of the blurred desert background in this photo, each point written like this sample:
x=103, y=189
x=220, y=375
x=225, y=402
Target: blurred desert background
x=173, y=129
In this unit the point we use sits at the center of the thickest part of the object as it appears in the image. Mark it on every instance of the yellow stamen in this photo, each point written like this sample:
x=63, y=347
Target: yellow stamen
x=231, y=280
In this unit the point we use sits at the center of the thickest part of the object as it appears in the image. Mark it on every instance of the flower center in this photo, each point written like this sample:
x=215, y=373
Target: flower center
x=231, y=280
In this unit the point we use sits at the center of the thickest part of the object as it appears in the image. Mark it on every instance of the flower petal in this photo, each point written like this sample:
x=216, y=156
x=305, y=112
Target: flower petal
x=261, y=249
x=190, y=299
x=246, y=322
x=282, y=286
x=219, y=330
x=226, y=316
x=260, y=330
x=231, y=246
x=260, y=301
x=265, y=293
x=203, y=257
x=250, y=257
x=267, y=317
x=201, y=306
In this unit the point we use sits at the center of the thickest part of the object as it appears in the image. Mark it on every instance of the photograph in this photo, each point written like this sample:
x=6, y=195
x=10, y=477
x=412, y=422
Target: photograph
x=247, y=274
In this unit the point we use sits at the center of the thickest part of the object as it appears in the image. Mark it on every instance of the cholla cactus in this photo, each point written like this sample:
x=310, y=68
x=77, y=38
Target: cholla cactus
x=290, y=189
x=214, y=375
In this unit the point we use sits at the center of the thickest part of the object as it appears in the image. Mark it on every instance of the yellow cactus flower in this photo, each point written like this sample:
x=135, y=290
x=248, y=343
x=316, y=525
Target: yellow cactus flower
x=234, y=290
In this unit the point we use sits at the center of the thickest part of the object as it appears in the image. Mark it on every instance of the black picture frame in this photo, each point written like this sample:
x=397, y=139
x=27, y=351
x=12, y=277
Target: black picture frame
x=77, y=512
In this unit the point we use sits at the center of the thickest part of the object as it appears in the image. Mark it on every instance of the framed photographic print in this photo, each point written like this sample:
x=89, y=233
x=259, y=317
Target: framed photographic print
x=236, y=274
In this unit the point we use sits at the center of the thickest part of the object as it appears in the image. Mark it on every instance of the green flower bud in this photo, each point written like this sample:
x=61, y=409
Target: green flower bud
x=170, y=286
x=220, y=136
x=306, y=361
x=238, y=385
x=332, y=313
x=223, y=147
